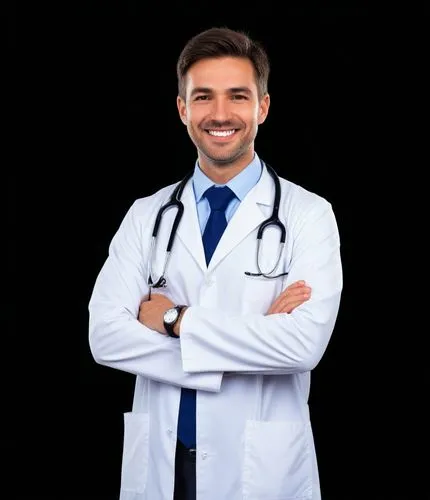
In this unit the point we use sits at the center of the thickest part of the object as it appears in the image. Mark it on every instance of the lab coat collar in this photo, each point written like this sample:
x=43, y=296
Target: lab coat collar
x=247, y=217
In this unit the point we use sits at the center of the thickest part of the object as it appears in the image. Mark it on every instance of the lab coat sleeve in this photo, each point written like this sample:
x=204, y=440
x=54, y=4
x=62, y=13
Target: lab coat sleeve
x=213, y=340
x=116, y=338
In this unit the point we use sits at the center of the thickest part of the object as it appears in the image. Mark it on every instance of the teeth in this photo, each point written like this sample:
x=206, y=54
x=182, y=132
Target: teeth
x=221, y=133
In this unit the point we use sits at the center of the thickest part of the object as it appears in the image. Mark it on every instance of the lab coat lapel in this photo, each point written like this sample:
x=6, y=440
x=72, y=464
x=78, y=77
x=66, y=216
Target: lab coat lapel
x=252, y=211
x=189, y=228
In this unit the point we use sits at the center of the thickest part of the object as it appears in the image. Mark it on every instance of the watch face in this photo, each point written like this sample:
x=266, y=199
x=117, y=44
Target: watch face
x=170, y=315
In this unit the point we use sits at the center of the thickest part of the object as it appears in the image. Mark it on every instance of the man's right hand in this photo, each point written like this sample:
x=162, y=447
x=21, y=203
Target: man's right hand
x=294, y=295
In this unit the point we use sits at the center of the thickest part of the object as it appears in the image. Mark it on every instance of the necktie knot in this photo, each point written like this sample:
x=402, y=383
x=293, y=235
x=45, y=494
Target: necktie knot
x=219, y=197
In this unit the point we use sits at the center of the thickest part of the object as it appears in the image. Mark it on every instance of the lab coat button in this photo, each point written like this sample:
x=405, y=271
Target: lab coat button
x=204, y=455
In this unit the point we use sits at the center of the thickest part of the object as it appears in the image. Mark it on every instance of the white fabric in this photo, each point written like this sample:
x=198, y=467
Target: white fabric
x=251, y=370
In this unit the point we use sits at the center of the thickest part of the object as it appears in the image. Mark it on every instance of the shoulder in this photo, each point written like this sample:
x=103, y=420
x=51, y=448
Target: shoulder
x=145, y=205
x=144, y=209
x=303, y=208
x=300, y=197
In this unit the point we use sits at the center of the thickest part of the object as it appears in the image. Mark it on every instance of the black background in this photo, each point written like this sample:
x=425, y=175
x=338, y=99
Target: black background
x=105, y=131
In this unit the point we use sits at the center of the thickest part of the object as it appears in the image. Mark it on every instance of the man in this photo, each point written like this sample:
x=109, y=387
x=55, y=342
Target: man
x=223, y=352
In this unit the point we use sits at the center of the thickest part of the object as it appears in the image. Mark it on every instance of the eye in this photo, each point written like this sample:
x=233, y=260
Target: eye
x=239, y=97
x=202, y=98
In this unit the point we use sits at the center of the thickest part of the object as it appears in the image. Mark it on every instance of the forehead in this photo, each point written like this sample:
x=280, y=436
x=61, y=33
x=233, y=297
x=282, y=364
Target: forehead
x=221, y=74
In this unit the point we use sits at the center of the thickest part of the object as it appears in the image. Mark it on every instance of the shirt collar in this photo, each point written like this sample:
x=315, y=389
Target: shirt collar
x=240, y=184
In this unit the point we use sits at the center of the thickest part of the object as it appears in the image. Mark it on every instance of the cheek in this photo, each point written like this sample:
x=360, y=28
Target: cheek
x=254, y=114
x=196, y=114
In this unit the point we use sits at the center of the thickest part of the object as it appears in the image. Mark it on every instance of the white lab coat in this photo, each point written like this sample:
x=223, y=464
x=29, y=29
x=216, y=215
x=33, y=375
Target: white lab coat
x=251, y=370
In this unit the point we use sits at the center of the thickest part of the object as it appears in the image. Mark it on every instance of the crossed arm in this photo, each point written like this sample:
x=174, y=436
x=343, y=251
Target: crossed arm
x=128, y=335
x=137, y=347
x=151, y=311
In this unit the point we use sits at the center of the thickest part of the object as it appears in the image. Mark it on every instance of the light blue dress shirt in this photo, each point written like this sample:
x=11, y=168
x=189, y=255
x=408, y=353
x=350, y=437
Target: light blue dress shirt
x=240, y=185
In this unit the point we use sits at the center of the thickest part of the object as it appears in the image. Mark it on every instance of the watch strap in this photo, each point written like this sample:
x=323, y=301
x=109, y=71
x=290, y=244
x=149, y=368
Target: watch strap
x=169, y=326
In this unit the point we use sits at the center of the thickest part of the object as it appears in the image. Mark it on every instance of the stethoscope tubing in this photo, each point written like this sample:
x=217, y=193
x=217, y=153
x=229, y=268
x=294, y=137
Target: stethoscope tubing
x=175, y=202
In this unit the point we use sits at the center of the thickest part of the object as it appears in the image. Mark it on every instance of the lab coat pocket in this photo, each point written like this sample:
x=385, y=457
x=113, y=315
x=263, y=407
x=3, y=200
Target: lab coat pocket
x=135, y=452
x=277, y=462
x=259, y=294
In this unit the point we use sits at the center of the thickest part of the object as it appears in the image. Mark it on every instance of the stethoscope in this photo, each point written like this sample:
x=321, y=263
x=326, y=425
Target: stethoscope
x=175, y=202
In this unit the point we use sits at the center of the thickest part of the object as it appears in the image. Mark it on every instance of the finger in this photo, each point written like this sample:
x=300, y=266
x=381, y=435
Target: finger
x=293, y=286
x=304, y=293
x=289, y=303
x=297, y=285
x=297, y=293
x=275, y=307
x=288, y=308
x=293, y=289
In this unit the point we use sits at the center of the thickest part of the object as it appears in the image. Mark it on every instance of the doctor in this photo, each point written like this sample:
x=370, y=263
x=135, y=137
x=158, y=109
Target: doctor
x=222, y=352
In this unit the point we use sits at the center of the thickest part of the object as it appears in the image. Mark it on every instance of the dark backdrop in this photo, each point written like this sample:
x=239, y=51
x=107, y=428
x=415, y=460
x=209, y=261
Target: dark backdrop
x=115, y=136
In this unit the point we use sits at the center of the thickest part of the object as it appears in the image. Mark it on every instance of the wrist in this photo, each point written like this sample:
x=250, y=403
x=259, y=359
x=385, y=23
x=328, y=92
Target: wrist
x=177, y=325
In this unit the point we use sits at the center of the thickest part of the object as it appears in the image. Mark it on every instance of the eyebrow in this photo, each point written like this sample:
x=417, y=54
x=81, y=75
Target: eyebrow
x=233, y=90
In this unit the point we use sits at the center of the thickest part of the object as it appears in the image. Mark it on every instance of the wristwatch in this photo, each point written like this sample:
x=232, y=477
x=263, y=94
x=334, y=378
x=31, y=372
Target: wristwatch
x=170, y=317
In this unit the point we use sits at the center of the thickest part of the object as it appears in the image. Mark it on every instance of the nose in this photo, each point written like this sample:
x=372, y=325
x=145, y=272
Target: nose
x=221, y=111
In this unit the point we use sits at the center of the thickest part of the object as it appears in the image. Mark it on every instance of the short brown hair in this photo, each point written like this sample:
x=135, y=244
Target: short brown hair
x=224, y=42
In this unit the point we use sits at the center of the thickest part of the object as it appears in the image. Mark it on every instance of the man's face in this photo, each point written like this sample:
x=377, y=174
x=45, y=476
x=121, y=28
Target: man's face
x=222, y=110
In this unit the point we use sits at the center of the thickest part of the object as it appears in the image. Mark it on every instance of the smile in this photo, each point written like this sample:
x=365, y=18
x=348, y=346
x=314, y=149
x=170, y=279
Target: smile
x=221, y=133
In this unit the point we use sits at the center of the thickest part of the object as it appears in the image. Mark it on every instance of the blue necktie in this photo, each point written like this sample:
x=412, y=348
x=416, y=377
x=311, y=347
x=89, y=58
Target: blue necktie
x=219, y=198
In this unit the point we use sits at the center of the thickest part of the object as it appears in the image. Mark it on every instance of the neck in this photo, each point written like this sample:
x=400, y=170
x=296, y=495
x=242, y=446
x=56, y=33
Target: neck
x=222, y=172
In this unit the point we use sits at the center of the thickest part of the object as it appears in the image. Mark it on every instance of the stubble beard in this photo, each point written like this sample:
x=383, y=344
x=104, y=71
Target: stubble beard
x=223, y=159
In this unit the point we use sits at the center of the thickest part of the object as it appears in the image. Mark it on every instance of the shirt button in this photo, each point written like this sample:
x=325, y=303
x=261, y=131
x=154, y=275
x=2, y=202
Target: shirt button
x=204, y=455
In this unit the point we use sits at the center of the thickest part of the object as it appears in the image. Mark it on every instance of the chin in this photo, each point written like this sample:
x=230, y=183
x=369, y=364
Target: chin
x=222, y=155
x=222, y=159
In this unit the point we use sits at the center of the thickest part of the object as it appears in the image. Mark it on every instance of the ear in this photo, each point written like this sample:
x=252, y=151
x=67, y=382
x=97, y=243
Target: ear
x=264, y=109
x=182, y=108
